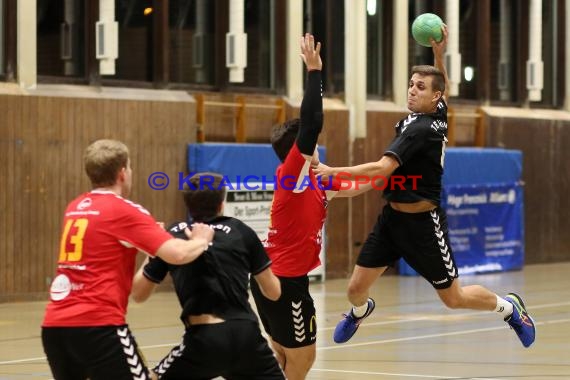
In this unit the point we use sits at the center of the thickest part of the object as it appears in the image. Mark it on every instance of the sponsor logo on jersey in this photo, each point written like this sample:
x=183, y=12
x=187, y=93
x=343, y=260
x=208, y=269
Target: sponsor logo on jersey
x=60, y=287
x=85, y=203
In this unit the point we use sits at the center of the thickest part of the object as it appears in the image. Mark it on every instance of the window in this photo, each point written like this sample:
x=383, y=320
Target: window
x=192, y=41
x=325, y=19
x=260, y=30
x=60, y=44
x=176, y=43
x=2, y=25
x=135, y=19
x=379, y=40
x=553, y=53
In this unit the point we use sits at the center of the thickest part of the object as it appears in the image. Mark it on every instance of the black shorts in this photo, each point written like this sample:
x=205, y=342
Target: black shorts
x=291, y=320
x=97, y=353
x=421, y=239
x=233, y=349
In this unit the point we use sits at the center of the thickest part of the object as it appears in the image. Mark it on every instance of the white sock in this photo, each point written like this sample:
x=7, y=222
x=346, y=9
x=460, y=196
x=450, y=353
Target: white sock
x=359, y=311
x=504, y=307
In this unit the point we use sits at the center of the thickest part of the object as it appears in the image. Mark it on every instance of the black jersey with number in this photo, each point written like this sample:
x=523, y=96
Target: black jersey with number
x=217, y=281
x=419, y=147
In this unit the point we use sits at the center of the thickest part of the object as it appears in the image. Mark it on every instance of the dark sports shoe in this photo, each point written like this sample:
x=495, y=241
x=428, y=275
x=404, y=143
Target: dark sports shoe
x=346, y=328
x=520, y=321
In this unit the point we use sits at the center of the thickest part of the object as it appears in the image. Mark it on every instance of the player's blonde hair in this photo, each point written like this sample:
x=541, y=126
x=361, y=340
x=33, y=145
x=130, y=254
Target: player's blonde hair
x=103, y=161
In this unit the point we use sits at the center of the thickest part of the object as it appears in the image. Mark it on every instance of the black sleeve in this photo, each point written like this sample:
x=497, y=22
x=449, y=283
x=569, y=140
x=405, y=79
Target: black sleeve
x=155, y=270
x=311, y=114
x=258, y=259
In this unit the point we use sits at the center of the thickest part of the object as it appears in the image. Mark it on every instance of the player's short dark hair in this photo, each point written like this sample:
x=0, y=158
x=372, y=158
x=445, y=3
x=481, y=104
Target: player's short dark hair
x=203, y=195
x=283, y=137
x=438, y=80
x=103, y=160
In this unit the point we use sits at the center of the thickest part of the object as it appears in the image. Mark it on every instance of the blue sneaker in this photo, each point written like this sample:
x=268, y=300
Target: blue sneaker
x=346, y=328
x=520, y=321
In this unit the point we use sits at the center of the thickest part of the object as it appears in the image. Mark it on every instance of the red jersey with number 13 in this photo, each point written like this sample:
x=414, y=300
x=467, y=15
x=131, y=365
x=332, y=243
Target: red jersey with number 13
x=102, y=233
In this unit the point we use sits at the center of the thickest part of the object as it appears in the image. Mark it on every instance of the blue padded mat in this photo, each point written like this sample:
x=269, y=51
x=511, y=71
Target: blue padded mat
x=233, y=160
x=468, y=166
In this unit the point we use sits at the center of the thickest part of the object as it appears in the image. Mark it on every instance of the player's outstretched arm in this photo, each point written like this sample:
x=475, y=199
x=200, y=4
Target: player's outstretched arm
x=312, y=104
x=179, y=251
x=383, y=167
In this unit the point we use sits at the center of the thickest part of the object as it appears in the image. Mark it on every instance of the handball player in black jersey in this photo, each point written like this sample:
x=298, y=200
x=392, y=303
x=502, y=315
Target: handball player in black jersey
x=223, y=336
x=413, y=225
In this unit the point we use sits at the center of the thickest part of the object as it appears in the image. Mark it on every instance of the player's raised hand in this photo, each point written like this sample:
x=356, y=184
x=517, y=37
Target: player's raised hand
x=439, y=47
x=310, y=53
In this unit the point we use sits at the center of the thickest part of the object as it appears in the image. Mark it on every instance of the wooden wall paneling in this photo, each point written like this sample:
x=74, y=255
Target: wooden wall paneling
x=546, y=181
x=359, y=207
x=563, y=189
x=7, y=173
x=220, y=120
x=5, y=143
x=39, y=241
x=184, y=128
x=26, y=199
x=151, y=155
x=84, y=114
x=43, y=142
x=114, y=116
x=5, y=180
x=335, y=139
x=60, y=171
x=380, y=132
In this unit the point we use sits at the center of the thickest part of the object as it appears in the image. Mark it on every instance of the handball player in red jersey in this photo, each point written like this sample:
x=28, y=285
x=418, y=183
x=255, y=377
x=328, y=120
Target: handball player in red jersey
x=298, y=214
x=84, y=332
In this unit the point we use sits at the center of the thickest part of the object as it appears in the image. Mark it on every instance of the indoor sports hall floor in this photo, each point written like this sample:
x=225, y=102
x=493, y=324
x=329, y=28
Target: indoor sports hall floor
x=409, y=336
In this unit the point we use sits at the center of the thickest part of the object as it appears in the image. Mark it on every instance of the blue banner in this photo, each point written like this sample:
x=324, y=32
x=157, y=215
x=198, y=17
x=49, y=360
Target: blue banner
x=486, y=230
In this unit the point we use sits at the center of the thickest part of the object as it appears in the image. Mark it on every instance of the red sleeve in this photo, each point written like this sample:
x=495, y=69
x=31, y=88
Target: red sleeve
x=136, y=227
x=336, y=184
x=332, y=183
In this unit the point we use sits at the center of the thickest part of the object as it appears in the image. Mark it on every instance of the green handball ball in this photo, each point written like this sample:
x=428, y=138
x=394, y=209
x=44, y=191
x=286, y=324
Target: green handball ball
x=425, y=26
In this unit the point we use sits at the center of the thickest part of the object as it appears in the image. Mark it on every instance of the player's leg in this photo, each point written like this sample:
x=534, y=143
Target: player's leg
x=114, y=354
x=278, y=351
x=298, y=361
x=375, y=256
x=256, y=360
x=206, y=352
x=428, y=251
x=474, y=297
x=291, y=323
x=360, y=282
x=61, y=353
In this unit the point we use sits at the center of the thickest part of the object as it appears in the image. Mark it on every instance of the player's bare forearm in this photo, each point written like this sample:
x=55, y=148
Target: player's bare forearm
x=142, y=287
x=384, y=167
x=355, y=189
